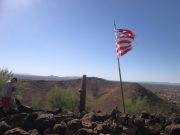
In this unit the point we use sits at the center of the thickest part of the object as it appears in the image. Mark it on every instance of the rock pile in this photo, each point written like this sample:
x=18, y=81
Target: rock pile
x=58, y=122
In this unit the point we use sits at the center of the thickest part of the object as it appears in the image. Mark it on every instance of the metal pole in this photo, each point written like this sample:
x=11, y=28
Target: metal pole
x=122, y=93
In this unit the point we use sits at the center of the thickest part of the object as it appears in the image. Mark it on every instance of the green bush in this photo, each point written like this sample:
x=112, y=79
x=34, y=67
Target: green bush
x=5, y=75
x=58, y=97
x=38, y=102
x=21, y=85
x=134, y=106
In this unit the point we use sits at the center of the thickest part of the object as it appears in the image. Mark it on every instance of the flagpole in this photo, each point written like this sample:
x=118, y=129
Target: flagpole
x=122, y=93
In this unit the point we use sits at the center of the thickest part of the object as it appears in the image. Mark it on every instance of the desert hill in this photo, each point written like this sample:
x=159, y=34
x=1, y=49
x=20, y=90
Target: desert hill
x=101, y=94
x=104, y=95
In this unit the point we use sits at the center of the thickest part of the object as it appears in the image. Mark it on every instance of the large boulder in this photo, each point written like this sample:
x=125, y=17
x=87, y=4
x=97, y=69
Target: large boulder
x=60, y=128
x=64, y=117
x=17, y=120
x=86, y=124
x=44, y=121
x=130, y=130
x=174, y=119
x=156, y=127
x=100, y=117
x=172, y=129
x=139, y=124
x=16, y=131
x=88, y=116
x=73, y=126
x=29, y=122
x=56, y=111
x=33, y=132
x=84, y=131
x=102, y=128
x=145, y=115
x=4, y=127
x=96, y=116
x=154, y=119
x=122, y=119
x=108, y=127
x=117, y=129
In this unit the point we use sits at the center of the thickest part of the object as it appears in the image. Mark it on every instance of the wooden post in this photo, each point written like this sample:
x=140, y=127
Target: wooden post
x=83, y=95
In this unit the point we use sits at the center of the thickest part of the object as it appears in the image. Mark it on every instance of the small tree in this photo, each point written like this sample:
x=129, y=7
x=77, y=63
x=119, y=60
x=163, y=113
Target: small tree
x=136, y=106
x=58, y=97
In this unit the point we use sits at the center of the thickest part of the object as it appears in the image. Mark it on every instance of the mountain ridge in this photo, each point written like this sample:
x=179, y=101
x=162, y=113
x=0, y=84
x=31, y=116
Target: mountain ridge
x=101, y=94
x=60, y=78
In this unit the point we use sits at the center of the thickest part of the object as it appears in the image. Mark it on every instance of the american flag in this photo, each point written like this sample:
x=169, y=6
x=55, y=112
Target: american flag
x=124, y=37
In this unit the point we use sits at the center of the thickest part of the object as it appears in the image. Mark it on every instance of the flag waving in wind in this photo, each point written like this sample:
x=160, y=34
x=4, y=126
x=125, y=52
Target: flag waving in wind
x=124, y=37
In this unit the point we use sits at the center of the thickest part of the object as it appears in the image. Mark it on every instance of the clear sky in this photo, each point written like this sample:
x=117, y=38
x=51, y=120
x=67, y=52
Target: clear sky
x=75, y=37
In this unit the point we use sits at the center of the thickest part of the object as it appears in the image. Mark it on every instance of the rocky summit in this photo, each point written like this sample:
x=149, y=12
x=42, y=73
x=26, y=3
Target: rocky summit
x=58, y=122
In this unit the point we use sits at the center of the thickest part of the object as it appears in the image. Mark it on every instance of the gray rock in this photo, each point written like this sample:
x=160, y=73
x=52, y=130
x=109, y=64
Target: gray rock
x=29, y=121
x=4, y=127
x=172, y=130
x=145, y=115
x=33, y=132
x=117, y=129
x=17, y=120
x=44, y=121
x=16, y=131
x=74, y=124
x=60, y=128
x=84, y=131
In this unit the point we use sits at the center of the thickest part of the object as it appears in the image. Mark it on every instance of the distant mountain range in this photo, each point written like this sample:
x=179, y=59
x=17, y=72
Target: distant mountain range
x=160, y=83
x=46, y=78
x=57, y=78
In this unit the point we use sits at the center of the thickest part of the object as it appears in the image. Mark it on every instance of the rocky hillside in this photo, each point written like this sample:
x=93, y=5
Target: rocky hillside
x=101, y=94
x=26, y=121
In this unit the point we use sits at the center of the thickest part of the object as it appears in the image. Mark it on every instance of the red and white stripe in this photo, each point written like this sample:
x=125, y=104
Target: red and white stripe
x=124, y=37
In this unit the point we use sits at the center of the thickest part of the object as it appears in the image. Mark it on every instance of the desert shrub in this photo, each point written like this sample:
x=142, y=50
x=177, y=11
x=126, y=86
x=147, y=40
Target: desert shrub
x=5, y=75
x=20, y=86
x=134, y=106
x=88, y=105
x=59, y=97
x=38, y=102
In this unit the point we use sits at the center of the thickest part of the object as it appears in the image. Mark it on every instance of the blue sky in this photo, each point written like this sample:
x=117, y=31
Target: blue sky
x=75, y=37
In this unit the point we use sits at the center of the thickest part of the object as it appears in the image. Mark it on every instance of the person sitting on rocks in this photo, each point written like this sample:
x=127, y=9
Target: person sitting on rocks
x=8, y=93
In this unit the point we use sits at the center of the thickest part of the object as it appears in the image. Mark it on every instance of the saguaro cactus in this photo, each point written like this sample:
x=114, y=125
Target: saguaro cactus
x=83, y=95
